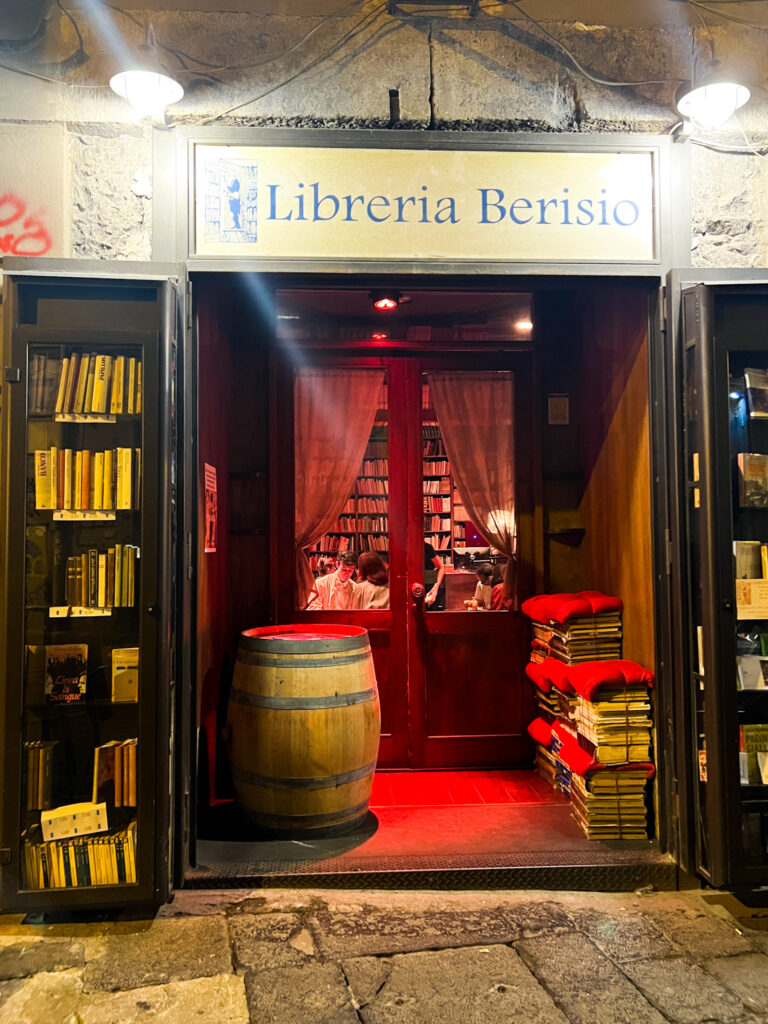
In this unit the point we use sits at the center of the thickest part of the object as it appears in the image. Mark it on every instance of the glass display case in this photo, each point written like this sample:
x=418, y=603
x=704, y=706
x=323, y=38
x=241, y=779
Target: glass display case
x=88, y=493
x=725, y=432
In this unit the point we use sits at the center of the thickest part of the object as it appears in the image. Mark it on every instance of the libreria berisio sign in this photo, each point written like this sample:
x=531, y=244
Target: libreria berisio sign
x=389, y=204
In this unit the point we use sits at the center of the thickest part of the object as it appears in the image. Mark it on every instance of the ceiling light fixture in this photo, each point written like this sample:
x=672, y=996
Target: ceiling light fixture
x=146, y=84
x=385, y=301
x=712, y=98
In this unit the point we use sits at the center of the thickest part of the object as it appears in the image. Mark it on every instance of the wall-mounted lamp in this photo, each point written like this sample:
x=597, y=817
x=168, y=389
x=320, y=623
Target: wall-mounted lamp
x=146, y=84
x=385, y=301
x=712, y=98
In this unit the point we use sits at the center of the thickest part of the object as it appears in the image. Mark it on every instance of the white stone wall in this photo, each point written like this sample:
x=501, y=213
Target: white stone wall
x=491, y=73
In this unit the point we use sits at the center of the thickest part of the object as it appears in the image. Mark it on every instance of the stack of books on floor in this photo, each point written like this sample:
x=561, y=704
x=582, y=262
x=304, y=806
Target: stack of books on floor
x=593, y=730
x=575, y=627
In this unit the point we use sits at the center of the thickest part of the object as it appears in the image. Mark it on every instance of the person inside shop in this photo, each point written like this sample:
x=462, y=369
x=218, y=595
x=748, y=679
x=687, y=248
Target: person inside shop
x=484, y=589
x=502, y=596
x=434, y=570
x=336, y=591
x=372, y=589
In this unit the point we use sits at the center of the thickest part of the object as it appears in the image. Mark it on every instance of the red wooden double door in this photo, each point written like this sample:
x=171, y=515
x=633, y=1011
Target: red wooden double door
x=451, y=682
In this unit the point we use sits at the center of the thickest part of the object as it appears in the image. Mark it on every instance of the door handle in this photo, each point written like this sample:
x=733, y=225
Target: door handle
x=417, y=592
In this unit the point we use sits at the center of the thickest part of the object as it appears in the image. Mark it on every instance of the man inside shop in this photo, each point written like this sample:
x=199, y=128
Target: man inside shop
x=336, y=590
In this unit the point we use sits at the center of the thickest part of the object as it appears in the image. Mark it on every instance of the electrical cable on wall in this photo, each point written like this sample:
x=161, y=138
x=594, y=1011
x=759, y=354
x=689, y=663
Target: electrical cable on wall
x=366, y=22
x=207, y=69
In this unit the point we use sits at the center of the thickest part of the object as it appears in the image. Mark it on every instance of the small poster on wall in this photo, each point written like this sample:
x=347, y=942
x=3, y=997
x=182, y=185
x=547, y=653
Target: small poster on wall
x=211, y=507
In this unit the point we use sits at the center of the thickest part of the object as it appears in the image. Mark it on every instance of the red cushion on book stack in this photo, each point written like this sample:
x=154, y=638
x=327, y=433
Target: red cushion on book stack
x=548, y=673
x=588, y=678
x=563, y=607
x=582, y=763
x=540, y=731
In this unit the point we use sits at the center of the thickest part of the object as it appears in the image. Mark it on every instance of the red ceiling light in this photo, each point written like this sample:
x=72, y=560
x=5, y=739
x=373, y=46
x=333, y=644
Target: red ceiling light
x=385, y=301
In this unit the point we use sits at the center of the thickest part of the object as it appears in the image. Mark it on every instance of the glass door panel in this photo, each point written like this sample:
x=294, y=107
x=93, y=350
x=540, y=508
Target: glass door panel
x=82, y=635
x=342, y=502
x=725, y=364
x=748, y=434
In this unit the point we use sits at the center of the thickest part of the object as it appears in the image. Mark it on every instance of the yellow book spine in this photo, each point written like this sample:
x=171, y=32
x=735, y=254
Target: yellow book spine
x=131, y=398
x=139, y=385
x=43, y=489
x=116, y=398
x=77, y=497
x=68, y=478
x=62, y=388
x=118, y=603
x=69, y=394
x=53, y=864
x=119, y=776
x=132, y=761
x=88, y=404
x=72, y=863
x=92, y=865
x=87, y=490
x=53, y=466
x=119, y=483
x=112, y=848
x=128, y=477
x=98, y=480
x=108, y=500
x=102, y=599
x=131, y=576
x=82, y=383
x=61, y=850
x=100, y=384
x=764, y=560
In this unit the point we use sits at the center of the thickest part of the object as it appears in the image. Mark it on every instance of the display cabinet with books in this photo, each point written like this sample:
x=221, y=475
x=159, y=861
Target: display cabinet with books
x=725, y=378
x=87, y=510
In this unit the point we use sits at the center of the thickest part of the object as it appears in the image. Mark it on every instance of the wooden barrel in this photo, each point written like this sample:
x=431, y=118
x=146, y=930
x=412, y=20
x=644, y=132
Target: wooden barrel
x=303, y=728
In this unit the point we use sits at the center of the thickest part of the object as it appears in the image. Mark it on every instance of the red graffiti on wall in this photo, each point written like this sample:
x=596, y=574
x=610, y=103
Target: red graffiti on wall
x=29, y=236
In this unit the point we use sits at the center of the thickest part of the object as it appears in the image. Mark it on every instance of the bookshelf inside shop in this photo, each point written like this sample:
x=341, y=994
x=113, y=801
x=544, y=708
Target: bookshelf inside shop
x=728, y=537
x=363, y=524
x=80, y=677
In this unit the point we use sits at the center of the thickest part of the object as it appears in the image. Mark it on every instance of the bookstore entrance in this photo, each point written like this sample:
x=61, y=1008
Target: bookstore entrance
x=413, y=469
x=420, y=471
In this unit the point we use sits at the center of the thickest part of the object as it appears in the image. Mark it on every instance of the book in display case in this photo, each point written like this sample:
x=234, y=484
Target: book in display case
x=725, y=378
x=88, y=616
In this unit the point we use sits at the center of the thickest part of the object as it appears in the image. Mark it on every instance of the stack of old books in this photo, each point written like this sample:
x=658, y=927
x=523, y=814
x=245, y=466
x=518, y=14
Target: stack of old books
x=575, y=627
x=593, y=730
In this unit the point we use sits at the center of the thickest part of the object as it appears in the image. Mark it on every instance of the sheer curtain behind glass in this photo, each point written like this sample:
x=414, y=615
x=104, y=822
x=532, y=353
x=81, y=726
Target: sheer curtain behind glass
x=475, y=412
x=334, y=411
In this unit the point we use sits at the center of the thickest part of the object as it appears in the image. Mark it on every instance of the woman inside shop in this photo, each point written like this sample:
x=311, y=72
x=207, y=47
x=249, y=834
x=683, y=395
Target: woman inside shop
x=372, y=589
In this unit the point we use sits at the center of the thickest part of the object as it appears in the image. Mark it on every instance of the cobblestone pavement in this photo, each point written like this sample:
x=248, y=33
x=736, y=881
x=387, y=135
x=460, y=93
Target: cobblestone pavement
x=300, y=957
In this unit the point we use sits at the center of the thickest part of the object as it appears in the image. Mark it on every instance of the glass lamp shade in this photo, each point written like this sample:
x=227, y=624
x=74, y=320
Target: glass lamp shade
x=712, y=103
x=148, y=92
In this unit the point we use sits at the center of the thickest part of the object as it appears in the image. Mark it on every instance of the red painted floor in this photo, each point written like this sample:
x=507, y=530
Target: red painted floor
x=460, y=788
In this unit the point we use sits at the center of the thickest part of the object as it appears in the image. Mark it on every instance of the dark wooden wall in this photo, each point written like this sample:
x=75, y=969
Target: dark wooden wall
x=616, y=445
x=233, y=582
x=596, y=471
